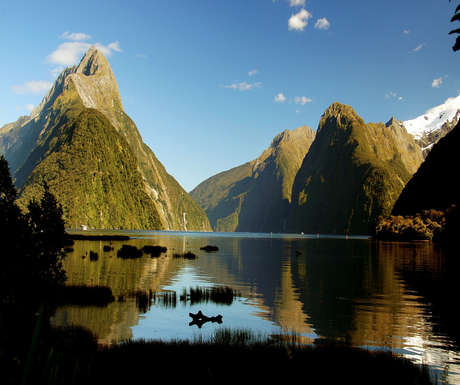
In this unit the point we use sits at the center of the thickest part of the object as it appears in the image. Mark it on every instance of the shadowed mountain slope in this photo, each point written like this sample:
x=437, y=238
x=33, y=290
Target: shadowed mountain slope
x=353, y=173
x=434, y=185
x=256, y=195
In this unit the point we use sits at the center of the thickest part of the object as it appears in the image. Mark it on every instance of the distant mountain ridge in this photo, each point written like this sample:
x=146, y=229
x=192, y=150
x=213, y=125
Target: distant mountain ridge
x=84, y=102
x=353, y=172
x=256, y=195
x=340, y=179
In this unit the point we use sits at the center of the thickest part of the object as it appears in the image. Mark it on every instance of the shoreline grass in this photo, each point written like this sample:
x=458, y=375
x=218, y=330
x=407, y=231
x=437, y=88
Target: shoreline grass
x=82, y=295
x=228, y=356
x=88, y=237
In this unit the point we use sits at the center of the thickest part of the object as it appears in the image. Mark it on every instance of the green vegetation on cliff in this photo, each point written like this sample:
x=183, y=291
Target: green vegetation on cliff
x=352, y=174
x=90, y=169
x=81, y=141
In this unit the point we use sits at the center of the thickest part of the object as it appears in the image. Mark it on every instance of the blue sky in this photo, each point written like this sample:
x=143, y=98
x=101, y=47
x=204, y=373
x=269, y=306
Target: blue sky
x=209, y=83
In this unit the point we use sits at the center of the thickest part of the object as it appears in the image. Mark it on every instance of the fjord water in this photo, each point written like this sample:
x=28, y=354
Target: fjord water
x=377, y=295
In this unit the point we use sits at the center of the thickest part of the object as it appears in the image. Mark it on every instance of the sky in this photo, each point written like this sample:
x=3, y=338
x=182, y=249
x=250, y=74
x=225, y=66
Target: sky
x=209, y=83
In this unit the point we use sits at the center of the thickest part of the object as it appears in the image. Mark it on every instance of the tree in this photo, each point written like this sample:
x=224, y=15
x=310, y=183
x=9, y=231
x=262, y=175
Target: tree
x=14, y=232
x=456, y=46
x=48, y=237
x=32, y=244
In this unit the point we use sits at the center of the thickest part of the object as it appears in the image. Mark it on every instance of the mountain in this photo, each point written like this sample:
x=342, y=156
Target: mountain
x=256, y=195
x=352, y=173
x=80, y=140
x=434, y=124
x=434, y=185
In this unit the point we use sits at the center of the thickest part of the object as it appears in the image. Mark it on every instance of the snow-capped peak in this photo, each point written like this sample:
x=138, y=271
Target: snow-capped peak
x=434, y=118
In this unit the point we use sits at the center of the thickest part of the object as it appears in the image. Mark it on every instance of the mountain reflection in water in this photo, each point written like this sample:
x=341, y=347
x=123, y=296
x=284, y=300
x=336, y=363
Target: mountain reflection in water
x=374, y=294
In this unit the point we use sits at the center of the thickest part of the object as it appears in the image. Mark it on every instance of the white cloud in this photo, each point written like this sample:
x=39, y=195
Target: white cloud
x=244, y=86
x=69, y=53
x=280, y=98
x=253, y=72
x=29, y=107
x=436, y=83
x=406, y=31
x=75, y=36
x=302, y=100
x=32, y=87
x=322, y=23
x=297, y=3
x=299, y=20
x=418, y=48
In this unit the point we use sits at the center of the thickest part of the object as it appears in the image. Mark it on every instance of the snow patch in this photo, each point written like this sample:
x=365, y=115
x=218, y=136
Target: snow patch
x=434, y=118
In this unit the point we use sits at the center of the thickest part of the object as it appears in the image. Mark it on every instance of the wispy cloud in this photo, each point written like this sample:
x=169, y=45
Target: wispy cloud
x=437, y=83
x=406, y=31
x=322, y=23
x=115, y=46
x=75, y=36
x=393, y=95
x=280, y=98
x=69, y=53
x=243, y=86
x=29, y=107
x=253, y=72
x=418, y=48
x=297, y=3
x=32, y=87
x=299, y=20
x=302, y=100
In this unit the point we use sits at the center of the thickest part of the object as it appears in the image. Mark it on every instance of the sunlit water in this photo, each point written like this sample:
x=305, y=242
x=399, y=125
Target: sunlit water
x=377, y=295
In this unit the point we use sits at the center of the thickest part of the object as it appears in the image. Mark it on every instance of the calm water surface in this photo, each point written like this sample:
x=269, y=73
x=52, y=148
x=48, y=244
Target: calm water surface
x=371, y=294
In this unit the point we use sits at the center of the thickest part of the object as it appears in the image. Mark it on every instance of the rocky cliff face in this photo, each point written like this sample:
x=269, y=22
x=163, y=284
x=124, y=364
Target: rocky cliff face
x=91, y=85
x=256, y=195
x=428, y=139
x=353, y=173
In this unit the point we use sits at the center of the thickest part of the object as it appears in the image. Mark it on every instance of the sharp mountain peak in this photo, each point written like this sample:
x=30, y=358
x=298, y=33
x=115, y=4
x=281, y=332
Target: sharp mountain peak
x=288, y=136
x=93, y=62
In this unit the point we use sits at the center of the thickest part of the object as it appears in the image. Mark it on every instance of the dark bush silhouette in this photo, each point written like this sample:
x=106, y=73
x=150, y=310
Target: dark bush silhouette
x=93, y=256
x=129, y=252
x=154, y=251
x=209, y=248
x=187, y=255
x=84, y=295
